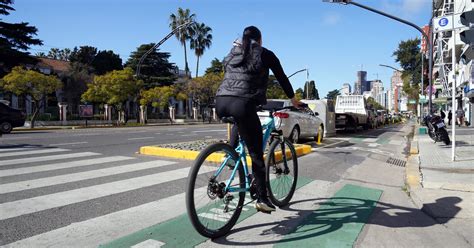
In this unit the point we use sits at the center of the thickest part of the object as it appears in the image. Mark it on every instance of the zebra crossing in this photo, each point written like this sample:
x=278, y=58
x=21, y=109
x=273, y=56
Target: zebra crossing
x=57, y=197
x=51, y=197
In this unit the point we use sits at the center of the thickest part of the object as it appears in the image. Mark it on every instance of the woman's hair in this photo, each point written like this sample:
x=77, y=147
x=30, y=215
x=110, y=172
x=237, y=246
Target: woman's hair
x=250, y=33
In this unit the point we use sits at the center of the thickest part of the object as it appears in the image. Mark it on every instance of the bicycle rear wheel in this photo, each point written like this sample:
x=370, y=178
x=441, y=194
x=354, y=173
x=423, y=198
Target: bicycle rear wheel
x=212, y=210
x=282, y=171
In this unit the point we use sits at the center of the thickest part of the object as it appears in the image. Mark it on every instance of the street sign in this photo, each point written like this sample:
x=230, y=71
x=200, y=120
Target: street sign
x=445, y=23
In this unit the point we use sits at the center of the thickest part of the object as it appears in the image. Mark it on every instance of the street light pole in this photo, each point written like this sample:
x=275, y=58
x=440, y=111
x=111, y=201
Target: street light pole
x=430, y=76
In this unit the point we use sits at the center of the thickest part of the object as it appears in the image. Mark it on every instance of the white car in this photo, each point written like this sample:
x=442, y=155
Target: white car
x=295, y=124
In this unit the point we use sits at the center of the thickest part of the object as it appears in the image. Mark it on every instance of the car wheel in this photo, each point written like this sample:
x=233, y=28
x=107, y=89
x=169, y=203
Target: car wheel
x=295, y=135
x=5, y=127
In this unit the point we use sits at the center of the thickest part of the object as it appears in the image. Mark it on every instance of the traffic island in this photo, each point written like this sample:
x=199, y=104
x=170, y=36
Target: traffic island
x=190, y=150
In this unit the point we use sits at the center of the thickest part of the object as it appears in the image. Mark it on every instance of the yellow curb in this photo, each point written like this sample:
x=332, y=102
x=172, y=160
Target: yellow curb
x=412, y=171
x=192, y=155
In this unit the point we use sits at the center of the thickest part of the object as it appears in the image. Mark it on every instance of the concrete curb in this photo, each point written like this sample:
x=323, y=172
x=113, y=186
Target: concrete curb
x=192, y=155
x=412, y=168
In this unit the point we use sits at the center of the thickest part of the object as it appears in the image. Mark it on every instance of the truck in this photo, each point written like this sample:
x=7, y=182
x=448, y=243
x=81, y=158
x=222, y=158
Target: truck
x=351, y=112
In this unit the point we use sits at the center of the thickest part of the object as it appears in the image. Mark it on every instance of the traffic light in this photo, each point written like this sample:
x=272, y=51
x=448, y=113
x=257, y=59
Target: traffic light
x=467, y=18
x=467, y=36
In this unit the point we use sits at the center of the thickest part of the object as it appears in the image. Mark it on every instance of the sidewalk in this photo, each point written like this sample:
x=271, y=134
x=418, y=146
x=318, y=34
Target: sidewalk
x=449, y=183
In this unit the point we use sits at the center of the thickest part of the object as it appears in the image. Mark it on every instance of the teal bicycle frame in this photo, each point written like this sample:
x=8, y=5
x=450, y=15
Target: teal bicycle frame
x=268, y=127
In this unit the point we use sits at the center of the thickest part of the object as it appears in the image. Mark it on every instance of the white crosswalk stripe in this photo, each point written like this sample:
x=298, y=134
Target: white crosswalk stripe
x=43, y=182
x=41, y=151
x=47, y=158
x=57, y=166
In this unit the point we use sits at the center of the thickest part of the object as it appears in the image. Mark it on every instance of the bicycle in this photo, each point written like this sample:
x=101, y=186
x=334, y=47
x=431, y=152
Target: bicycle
x=217, y=166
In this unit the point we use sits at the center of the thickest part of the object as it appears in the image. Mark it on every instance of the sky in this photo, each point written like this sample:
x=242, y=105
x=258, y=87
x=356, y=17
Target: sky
x=333, y=41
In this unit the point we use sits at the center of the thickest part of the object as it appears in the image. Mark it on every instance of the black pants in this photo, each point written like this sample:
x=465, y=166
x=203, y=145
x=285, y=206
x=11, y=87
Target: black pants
x=250, y=129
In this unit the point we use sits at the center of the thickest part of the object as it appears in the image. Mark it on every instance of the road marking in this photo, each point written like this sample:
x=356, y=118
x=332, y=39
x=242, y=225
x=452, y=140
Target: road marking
x=369, y=140
x=142, y=138
x=65, y=144
x=15, y=138
x=150, y=243
x=50, y=150
x=88, y=134
x=172, y=231
x=31, y=205
x=209, y=131
x=74, y=177
x=47, y=158
x=188, y=135
x=142, y=131
x=317, y=148
x=373, y=145
x=338, y=222
x=16, y=149
x=58, y=166
x=90, y=233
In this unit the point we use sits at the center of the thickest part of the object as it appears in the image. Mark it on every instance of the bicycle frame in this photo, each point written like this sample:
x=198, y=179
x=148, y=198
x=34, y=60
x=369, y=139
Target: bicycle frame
x=268, y=127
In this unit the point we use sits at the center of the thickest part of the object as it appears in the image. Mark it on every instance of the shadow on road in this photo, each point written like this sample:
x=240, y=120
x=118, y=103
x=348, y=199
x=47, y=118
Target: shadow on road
x=334, y=213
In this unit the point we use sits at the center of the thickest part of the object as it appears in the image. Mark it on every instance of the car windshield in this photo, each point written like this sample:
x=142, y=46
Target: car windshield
x=273, y=105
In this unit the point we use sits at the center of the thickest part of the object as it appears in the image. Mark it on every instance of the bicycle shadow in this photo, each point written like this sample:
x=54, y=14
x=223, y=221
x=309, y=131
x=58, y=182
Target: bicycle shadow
x=334, y=213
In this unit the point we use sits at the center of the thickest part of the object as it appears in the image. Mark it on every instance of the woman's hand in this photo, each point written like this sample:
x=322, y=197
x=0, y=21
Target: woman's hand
x=296, y=103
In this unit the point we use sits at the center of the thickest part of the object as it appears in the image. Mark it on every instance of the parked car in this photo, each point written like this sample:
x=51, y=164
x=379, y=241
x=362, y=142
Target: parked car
x=10, y=118
x=295, y=123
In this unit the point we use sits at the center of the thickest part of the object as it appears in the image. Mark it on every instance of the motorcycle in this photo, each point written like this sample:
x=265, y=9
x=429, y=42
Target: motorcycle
x=437, y=129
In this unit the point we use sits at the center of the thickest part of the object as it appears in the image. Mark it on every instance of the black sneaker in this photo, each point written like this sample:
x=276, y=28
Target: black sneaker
x=264, y=205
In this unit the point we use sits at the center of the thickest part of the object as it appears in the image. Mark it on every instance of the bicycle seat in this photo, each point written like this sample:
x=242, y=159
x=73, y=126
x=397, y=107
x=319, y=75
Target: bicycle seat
x=228, y=119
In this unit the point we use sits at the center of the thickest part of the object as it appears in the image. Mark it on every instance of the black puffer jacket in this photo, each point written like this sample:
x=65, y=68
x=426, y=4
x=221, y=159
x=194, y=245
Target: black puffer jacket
x=248, y=78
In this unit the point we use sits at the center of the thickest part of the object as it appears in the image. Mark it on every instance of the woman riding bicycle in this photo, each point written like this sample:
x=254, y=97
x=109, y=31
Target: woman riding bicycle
x=244, y=88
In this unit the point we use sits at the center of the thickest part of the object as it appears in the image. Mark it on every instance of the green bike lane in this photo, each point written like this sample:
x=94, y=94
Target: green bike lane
x=315, y=216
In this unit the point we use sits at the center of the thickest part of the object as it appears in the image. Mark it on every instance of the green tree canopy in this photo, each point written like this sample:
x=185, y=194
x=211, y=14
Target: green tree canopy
x=374, y=104
x=200, y=40
x=333, y=94
x=15, y=39
x=310, y=91
x=216, y=66
x=181, y=17
x=23, y=82
x=409, y=56
x=155, y=69
x=113, y=88
x=84, y=55
x=274, y=90
x=59, y=54
x=204, y=88
x=299, y=93
x=106, y=61
x=159, y=97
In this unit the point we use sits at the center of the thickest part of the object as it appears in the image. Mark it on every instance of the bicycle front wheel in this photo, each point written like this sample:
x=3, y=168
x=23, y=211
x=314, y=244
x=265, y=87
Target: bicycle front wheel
x=282, y=171
x=212, y=209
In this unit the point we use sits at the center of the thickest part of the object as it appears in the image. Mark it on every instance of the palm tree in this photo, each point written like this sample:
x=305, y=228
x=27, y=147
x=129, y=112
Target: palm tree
x=201, y=39
x=182, y=17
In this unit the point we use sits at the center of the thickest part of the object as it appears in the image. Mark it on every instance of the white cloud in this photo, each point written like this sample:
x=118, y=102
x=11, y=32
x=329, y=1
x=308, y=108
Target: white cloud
x=331, y=19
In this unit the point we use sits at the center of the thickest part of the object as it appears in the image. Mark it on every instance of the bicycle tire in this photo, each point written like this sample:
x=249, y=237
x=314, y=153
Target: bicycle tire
x=198, y=214
x=277, y=179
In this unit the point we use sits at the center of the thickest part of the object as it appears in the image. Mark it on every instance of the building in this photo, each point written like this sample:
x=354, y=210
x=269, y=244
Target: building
x=361, y=84
x=346, y=89
x=376, y=88
x=447, y=43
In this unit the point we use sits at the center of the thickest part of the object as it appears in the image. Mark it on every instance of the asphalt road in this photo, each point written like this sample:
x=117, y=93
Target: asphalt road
x=53, y=197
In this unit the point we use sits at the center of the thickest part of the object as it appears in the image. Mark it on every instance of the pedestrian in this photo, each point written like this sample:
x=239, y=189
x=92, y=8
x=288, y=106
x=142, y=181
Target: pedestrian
x=450, y=116
x=460, y=116
x=244, y=88
x=443, y=115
